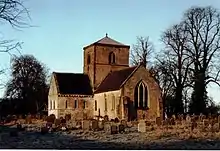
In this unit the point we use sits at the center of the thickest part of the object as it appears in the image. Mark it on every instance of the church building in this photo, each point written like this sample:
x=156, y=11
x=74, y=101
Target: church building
x=107, y=86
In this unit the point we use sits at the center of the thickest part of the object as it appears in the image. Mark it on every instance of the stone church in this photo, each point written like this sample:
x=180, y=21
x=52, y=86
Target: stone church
x=107, y=86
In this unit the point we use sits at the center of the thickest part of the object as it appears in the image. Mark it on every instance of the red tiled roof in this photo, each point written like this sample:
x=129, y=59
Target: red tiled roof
x=73, y=83
x=114, y=80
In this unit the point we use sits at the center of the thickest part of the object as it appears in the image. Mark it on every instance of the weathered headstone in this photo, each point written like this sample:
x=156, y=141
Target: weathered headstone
x=174, y=116
x=85, y=124
x=114, y=129
x=100, y=125
x=49, y=124
x=106, y=119
x=57, y=122
x=158, y=121
x=124, y=122
x=63, y=128
x=116, y=120
x=129, y=124
x=107, y=127
x=188, y=119
x=121, y=128
x=142, y=126
x=94, y=125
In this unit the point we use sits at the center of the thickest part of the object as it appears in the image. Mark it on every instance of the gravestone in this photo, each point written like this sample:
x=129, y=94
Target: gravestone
x=188, y=119
x=85, y=124
x=129, y=124
x=124, y=122
x=100, y=125
x=142, y=126
x=121, y=128
x=107, y=127
x=114, y=129
x=94, y=125
x=158, y=121
x=106, y=119
x=63, y=128
x=49, y=124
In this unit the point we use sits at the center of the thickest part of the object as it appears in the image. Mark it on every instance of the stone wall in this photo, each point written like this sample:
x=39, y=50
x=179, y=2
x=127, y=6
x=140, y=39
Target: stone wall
x=77, y=112
x=154, y=93
x=111, y=105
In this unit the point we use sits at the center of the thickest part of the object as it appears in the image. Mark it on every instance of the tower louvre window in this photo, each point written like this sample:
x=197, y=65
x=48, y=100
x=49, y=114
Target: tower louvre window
x=111, y=58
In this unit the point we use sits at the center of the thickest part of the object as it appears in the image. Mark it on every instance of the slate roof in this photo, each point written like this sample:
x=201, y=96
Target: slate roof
x=73, y=83
x=108, y=41
x=114, y=80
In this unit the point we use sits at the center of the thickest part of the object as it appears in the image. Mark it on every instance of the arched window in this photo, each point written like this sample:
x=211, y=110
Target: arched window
x=66, y=104
x=141, y=95
x=88, y=59
x=111, y=58
x=75, y=104
x=113, y=102
x=95, y=105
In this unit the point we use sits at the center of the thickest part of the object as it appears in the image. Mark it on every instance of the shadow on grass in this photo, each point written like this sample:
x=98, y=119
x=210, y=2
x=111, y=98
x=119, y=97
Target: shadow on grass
x=35, y=140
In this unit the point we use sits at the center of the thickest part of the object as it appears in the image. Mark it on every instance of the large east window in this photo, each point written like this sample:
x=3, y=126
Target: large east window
x=141, y=95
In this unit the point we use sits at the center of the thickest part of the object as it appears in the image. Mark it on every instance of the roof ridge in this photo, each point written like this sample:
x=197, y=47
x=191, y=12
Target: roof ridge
x=68, y=73
x=124, y=69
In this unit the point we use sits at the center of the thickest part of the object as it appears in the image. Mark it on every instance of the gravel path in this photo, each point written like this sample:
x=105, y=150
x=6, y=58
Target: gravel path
x=78, y=139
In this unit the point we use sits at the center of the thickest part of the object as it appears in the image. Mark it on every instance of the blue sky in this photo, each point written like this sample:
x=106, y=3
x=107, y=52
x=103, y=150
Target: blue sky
x=64, y=27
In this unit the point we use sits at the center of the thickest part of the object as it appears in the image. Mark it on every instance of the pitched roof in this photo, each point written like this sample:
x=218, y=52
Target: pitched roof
x=115, y=79
x=73, y=83
x=108, y=41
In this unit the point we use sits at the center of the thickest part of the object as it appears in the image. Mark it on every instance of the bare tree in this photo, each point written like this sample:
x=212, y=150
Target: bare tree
x=203, y=27
x=14, y=13
x=141, y=51
x=160, y=72
x=178, y=63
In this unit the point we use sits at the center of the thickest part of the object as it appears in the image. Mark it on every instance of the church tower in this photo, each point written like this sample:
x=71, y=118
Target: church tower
x=104, y=56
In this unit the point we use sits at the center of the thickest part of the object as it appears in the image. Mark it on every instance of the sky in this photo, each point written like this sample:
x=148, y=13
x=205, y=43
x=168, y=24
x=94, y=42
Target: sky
x=61, y=28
